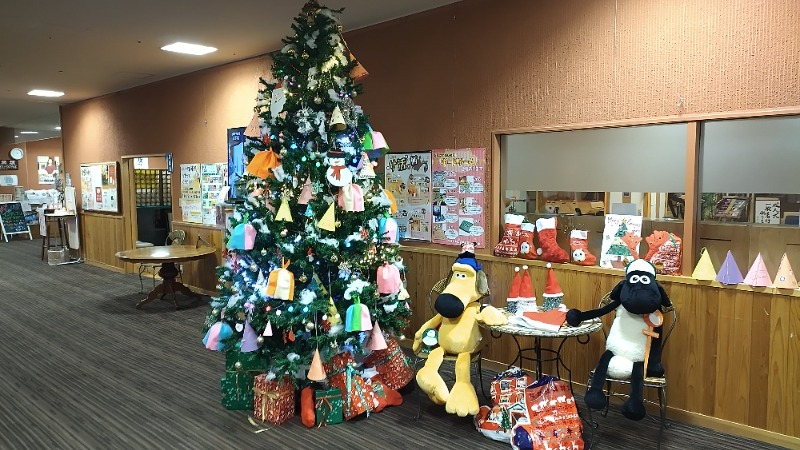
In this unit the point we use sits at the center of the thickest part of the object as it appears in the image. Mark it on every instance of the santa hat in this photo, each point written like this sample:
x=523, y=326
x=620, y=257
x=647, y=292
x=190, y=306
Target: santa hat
x=526, y=291
x=552, y=288
x=516, y=283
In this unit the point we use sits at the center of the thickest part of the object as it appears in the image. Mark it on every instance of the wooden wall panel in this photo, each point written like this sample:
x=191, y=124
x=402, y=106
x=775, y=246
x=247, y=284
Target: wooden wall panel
x=202, y=274
x=101, y=237
x=733, y=354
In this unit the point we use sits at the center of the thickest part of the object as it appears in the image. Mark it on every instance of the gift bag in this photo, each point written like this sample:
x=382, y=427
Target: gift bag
x=328, y=406
x=664, y=252
x=343, y=374
x=392, y=364
x=553, y=420
x=508, y=405
x=273, y=400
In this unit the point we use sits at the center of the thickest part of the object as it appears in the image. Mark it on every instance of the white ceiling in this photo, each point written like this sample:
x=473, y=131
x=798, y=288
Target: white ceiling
x=88, y=48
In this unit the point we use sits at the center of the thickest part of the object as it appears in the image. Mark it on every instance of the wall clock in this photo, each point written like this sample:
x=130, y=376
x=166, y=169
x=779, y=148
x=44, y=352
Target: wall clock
x=16, y=153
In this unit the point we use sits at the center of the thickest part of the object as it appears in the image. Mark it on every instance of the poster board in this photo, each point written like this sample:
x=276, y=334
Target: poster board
x=621, y=238
x=12, y=220
x=408, y=178
x=459, y=196
x=100, y=187
x=191, y=197
x=212, y=180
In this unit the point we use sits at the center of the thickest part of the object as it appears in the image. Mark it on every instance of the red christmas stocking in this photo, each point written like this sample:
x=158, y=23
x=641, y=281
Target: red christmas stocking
x=509, y=243
x=307, y=414
x=526, y=248
x=579, y=244
x=550, y=251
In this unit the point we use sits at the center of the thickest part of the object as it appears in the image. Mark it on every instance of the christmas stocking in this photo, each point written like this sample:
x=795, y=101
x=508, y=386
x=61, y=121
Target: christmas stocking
x=509, y=243
x=526, y=248
x=549, y=249
x=579, y=244
x=307, y=413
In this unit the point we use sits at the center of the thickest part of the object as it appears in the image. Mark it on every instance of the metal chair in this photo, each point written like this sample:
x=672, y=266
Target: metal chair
x=175, y=237
x=657, y=383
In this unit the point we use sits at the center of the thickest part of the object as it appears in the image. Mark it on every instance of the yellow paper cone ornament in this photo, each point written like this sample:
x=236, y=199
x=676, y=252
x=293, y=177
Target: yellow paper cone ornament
x=785, y=278
x=284, y=213
x=337, y=120
x=333, y=314
x=253, y=130
x=704, y=271
x=315, y=371
x=392, y=201
x=328, y=220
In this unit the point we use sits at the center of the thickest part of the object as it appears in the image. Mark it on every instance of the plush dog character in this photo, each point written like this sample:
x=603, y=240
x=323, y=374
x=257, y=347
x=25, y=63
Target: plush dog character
x=458, y=314
x=637, y=300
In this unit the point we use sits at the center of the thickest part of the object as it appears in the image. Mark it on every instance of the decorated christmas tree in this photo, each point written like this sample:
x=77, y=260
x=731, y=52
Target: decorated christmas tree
x=311, y=261
x=618, y=246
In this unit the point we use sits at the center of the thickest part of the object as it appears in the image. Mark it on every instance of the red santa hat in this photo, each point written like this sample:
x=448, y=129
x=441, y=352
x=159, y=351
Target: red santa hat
x=552, y=288
x=526, y=291
x=516, y=283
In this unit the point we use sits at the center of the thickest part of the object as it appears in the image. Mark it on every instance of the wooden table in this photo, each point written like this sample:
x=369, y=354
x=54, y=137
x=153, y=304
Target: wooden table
x=167, y=256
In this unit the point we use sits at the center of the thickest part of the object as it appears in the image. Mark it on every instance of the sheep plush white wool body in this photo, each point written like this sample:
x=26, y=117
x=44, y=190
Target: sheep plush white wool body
x=627, y=342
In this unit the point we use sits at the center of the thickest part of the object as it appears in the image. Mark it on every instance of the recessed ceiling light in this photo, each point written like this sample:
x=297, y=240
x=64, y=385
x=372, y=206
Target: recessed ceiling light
x=189, y=49
x=58, y=128
x=28, y=132
x=45, y=93
x=16, y=136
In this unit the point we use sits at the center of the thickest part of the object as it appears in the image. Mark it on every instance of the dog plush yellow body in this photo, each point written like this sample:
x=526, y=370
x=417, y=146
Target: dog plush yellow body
x=458, y=314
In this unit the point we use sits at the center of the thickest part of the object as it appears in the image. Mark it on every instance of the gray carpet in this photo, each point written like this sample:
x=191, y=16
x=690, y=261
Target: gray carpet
x=83, y=369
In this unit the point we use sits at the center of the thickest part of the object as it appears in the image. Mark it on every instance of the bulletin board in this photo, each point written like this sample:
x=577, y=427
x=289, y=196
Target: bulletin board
x=459, y=212
x=408, y=178
x=100, y=187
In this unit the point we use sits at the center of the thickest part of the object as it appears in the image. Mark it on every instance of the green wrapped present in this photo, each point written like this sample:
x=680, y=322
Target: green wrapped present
x=237, y=388
x=246, y=361
x=328, y=406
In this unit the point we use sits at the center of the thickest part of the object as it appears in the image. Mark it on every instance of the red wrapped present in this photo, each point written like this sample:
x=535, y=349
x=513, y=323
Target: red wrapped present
x=274, y=400
x=392, y=364
x=342, y=373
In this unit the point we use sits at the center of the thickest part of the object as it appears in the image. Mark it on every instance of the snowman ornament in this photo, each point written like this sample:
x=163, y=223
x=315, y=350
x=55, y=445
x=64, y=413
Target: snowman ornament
x=338, y=174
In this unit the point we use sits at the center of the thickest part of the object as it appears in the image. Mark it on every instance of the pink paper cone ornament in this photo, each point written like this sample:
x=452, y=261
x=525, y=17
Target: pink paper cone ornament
x=306, y=193
x=249, y=337
x=378, y=142
x=376, y=340
x=243, y=237
x=216, y=334
x=267, y=329
x=351, y=198
x=758, y=276
x=785, y=279
x=316, y=372
x=388, y=279
x=729, y=272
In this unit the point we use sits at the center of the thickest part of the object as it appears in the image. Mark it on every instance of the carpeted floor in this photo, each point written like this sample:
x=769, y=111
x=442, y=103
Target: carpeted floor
x=81, y=368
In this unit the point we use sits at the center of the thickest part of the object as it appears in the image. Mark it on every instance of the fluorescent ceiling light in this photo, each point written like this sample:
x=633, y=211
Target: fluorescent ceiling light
x=189, y=49
x=58, y=128
x=28, y=132
x=45, y=93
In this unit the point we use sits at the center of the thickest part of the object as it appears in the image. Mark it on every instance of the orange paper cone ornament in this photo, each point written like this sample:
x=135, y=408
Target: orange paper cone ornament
x=262, y=162
x=315, y=371
x=785, y=279
x=253, y=130
x=358, y=71
x=376, y=340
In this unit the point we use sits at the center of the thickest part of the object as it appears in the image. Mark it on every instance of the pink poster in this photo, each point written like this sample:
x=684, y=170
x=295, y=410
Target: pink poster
x=459, y=177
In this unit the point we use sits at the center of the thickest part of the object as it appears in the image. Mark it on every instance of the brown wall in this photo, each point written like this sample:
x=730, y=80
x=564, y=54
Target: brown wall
x=27, y=172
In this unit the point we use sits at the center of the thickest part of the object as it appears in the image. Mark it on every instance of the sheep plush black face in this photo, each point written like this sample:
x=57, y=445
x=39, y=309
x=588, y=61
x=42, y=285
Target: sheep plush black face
x=639, y=293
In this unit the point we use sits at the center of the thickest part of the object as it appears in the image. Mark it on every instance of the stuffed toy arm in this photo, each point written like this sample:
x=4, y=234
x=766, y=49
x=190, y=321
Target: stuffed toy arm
x=491, y=316
x=665, y=301
x=434, y=322
x=575, y=316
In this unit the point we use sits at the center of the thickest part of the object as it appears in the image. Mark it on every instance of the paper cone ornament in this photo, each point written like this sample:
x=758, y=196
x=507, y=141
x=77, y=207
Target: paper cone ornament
x=378, y=142
x=261, y=164
x=704, y=270
x=328, y=220
x=729, y=272
x=758, y=276
x=306, y=194
x=376, y=340
x=785, y=279
x=358, y=71
x=267, y=329
x=337, y=120
x=283, y=212
x=216, y=334
x=253, y=130
x=315, y=371
x=392, y=201
x=249, y=337
x=333, y=314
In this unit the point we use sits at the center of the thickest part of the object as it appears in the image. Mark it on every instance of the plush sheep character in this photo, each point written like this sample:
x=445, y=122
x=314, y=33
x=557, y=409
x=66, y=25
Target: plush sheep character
x=637, y=301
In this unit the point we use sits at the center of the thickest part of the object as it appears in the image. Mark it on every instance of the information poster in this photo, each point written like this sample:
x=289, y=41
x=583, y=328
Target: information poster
x=768, y=210
x=621, y=237
x=212, y=181
x=459, y=196
x=47, y=169
x=408, y=178
x=99, y=187
x=191, y=197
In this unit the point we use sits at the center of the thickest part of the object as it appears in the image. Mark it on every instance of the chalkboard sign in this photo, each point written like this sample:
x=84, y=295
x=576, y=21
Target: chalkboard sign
x=12, y=220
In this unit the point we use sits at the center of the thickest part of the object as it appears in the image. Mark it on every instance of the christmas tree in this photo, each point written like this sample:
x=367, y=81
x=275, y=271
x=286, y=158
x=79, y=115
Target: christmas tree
x=618, y=246
x=309, y=278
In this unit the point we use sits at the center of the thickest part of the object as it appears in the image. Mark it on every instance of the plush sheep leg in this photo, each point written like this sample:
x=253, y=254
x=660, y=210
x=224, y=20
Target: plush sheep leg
x=430, y=381
x=595, y=398
x=463, y=399
x=633, y=408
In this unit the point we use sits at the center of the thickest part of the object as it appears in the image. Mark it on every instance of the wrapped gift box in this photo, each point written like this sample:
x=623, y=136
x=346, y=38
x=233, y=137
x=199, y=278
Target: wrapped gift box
x=392, y=364
x=328, y=406
x=247, y=361
x=237, y=388
x=343, y=374
x=274, y=400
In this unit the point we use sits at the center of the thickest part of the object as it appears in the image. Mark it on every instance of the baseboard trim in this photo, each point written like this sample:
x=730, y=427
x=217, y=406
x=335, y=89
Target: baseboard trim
x=687, y=417
x=104, y=266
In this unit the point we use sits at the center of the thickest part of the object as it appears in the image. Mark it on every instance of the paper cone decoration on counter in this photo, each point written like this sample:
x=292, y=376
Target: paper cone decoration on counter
x=358, y=71
x=785, y=279
x=333, y=314
x=262, y=162
x=253, y=130
x=758, y=276
x=376, y=340
x=267, y=329
x=729, y=273
x=315, y=371
x=337, y=120
x=704, y=270
x=284, y=213
x=328, y=220
x=306, y=193
x=249, y=337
